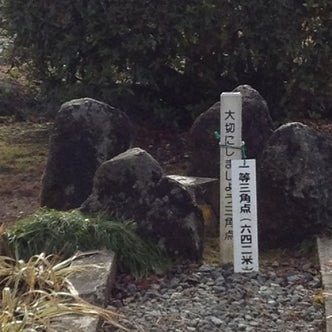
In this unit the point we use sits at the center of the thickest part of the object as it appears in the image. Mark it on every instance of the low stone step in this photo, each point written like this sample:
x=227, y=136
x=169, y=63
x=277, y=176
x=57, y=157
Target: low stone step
x=94, y=286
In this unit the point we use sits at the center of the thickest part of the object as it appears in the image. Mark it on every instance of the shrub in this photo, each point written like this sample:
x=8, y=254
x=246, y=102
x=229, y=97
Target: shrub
x=64, y=233
x=175, y=57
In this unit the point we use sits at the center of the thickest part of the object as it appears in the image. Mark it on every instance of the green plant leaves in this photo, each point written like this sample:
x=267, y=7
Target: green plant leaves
x=179, y=55
x=64, y=233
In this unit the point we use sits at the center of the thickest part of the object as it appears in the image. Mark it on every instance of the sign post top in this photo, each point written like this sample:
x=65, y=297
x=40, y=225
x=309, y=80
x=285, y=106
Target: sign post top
x=230, y=94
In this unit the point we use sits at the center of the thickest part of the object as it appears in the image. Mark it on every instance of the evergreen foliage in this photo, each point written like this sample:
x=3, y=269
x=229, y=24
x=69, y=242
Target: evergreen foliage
x=174, y=57
x=64, y=233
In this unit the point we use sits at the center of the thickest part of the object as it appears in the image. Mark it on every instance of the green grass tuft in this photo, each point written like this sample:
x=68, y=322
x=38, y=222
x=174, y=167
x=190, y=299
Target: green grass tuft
x=19, y=158
x=64, y=233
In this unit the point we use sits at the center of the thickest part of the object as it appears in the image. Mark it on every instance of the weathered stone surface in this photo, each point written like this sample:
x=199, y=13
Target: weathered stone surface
x=123, y=185
x=204, y=150
x=174, y=220
x=257, y=125
x=133, y=186
x=86, y=133
x=76, y=323
x=204, y=147
x=92, y=284
x=95, y=283
x=205, y=192
x=295, y=186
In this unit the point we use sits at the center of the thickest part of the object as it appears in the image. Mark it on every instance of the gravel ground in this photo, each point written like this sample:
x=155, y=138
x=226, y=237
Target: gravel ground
x=283, y=296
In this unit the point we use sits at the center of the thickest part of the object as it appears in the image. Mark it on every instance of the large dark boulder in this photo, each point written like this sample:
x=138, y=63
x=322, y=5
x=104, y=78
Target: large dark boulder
x=86, y=133
x=295, y=185
x=256, y=129
x=204, y=150
x=123, y=184
x=257, y=125
x=132, y=186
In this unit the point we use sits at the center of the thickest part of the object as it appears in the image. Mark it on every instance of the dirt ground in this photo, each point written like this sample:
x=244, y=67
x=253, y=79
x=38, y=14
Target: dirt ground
x=23, y=153
x=23, y=156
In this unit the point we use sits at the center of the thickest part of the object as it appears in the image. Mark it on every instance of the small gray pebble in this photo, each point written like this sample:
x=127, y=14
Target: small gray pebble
x=216, y=321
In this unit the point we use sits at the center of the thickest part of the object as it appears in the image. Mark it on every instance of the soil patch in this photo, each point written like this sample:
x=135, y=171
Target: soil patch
x=23, y=156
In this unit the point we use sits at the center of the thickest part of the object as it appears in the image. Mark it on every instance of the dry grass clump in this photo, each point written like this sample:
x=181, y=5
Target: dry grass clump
x=36, y=292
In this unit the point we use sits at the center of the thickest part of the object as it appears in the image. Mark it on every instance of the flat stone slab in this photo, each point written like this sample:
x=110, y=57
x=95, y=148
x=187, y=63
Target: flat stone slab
x=94, y=286
x=205, y=192
x=324, y=246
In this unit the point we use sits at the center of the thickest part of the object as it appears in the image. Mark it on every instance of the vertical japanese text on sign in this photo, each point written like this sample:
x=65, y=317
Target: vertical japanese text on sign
x=244, y=216
x=230, y=141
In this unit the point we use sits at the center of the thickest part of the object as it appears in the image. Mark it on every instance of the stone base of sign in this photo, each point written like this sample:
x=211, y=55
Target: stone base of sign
x=205, y=192
x=93, y=285
x=324, y=246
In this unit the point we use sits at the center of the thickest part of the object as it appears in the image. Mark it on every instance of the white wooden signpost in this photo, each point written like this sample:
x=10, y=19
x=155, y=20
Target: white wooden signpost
x=230, y=142
x=238, y=206
x=244, y=200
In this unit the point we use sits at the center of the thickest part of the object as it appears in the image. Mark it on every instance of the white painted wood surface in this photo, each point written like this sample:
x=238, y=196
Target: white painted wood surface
x=244, y=196
x=230, y=143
